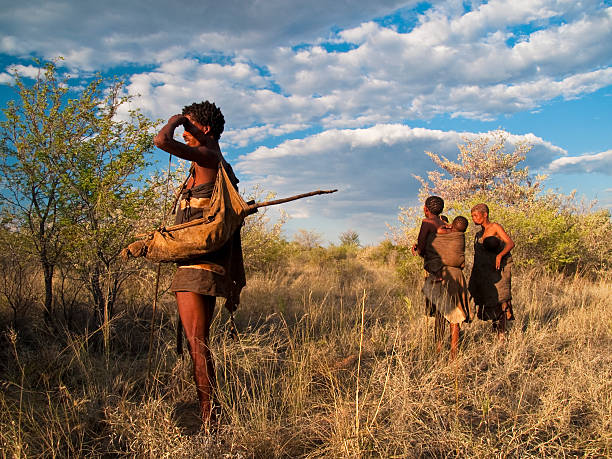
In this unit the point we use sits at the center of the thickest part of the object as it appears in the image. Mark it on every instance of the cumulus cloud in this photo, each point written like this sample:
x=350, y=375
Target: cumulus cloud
x=248, y=136
x=253, y=110
x=596, y=162
x=372, y=168
x=451, y=62
x=25, y=71
x=462, y=65
x=501, y=57
x=94, y=34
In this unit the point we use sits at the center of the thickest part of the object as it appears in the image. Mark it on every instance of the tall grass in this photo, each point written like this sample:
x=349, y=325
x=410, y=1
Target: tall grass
x=333, y=359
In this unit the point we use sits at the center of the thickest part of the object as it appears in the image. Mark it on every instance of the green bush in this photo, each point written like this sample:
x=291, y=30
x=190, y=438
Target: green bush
x=550, y=235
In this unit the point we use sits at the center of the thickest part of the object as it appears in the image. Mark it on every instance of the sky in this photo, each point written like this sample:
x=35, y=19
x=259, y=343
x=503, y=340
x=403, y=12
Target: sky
x=348, y=94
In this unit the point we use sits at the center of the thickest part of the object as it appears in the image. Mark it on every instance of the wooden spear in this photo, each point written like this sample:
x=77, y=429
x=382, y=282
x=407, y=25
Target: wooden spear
x=253, y=207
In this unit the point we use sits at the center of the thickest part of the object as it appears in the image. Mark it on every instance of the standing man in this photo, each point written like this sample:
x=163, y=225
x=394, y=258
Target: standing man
x=198, y=282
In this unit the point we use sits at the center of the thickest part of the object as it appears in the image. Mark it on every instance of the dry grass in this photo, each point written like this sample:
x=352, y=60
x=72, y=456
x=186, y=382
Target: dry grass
x=310, y=376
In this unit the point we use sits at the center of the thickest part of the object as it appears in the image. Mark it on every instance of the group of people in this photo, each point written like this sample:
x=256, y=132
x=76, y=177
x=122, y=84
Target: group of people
x=198, y=282
x=448, y=296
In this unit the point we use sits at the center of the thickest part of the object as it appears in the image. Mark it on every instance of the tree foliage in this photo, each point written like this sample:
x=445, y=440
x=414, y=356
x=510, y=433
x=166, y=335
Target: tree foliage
x=71, y=176
x=263, y=244
x=350, y=238
x=106, y=193
x=40, y=128
x=308, y=239
x=484, y=168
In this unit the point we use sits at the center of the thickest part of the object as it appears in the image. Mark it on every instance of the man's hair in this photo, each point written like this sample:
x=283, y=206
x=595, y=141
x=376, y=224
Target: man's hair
x=460, y=223
x=207, y=114
x=481, y=208
x=435, y=204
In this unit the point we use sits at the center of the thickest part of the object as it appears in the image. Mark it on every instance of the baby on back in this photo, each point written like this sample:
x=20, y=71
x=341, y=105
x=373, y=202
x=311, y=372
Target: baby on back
x=459, y=225
x=447, y=250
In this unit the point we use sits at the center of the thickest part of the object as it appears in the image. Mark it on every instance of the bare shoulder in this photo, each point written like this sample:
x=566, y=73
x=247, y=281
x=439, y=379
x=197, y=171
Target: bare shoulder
x=497, y=228
x=501, y=234
x=436, y=223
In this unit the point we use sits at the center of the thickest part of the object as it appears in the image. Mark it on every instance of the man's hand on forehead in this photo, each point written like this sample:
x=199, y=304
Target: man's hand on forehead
x=191, y=125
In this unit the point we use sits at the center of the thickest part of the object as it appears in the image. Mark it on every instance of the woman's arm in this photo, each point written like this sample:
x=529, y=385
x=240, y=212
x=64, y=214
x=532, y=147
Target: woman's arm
x=508, y=244
x=202, y=155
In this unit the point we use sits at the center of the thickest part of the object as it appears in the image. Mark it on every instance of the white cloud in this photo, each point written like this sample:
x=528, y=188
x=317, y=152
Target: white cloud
x=248, y=136
x=244, y=95
x=27, y=71
x=461, y=65
x=596, y=162
x=97, y=34
x=6, y=78
x=372, y=168
x=451, y=63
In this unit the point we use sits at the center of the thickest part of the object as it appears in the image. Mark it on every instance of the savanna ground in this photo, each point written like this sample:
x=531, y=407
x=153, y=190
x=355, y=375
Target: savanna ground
x=335, y=358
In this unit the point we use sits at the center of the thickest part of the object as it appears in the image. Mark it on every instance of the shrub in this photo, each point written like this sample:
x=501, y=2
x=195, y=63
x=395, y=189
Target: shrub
x=263, y=245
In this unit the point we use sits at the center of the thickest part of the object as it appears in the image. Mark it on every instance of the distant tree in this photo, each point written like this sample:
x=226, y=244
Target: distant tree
x=350, y=238
x=485, y=169
x=308, y=239
x=263, y=244
x=70, y=173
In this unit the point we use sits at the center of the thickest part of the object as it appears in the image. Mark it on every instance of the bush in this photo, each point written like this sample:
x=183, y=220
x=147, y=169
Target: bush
x=549, y=234
x=263, y=245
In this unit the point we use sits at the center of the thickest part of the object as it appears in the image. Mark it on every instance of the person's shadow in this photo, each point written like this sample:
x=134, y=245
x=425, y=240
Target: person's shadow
x=187, y=417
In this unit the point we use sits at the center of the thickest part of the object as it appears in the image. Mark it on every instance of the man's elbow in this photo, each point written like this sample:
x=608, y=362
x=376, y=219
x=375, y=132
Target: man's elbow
x=160, y=141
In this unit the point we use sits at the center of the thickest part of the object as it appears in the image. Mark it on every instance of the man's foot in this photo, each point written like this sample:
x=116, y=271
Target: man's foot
x=210, y=420
x=210, y=416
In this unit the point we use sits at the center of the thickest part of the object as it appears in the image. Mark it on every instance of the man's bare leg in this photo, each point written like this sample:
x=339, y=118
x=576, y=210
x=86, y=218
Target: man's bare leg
x=501, y=326
x=196, y=313
x=439, y=328
x=454, y=346
x=507, y=308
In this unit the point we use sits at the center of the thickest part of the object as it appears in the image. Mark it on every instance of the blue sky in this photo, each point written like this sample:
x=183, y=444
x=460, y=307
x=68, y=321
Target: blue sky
x=350, y=94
